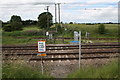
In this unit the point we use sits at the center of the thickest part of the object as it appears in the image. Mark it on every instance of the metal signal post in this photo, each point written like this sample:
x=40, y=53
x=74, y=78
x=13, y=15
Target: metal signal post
x=79, y=48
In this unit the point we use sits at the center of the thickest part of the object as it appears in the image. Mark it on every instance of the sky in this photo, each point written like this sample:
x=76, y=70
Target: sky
x=78, y=11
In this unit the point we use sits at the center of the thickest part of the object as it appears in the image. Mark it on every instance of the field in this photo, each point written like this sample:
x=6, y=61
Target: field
x=27, y=35
x=111, y=30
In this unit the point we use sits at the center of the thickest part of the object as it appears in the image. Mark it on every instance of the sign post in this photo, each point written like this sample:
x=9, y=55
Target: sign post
x=76, y=36
x=79, y=48
x=42, y=65
x=41, y=51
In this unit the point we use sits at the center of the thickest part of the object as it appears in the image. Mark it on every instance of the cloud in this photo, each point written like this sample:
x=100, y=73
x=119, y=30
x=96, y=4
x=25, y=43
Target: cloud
x=30, y=9
x=101, y=1
x=67, y=1
x=108, y=14
x=25, y=1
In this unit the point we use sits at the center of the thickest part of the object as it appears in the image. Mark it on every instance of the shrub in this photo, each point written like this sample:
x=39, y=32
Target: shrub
x=59, y=28
x=7, y=28
x=16, y=26
x=101, y=29
x=13, y=26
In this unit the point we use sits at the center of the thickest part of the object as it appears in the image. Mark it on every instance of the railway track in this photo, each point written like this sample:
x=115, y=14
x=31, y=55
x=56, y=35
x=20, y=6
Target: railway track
x=61, y=52
x=70, y=38
x=63, y=46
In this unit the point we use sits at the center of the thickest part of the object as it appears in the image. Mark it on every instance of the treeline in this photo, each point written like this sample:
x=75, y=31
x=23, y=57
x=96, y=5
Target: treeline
x=24, y=22
x=16, y=23
x=91, y=23
x=34, y=22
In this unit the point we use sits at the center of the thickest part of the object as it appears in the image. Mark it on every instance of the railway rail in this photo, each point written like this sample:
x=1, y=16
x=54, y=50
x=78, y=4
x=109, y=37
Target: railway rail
x=65, y=46
x=70, y=38
x=62, y=52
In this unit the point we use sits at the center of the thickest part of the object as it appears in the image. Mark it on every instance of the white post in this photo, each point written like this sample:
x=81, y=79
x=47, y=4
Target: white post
x=42, y=65
x=79, y=48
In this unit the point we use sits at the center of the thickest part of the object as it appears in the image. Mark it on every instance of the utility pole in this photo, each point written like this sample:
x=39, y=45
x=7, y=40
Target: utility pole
x=55, y=13
x=55, y=16
x=59, y=21
x=47, y=17
x=59, y=11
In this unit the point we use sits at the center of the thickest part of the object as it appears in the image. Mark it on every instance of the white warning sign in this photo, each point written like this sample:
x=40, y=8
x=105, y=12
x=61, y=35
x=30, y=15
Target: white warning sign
x=41, y=46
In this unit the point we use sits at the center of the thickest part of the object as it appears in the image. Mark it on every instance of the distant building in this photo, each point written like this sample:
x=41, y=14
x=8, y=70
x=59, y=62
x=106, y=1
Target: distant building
x=0, y=23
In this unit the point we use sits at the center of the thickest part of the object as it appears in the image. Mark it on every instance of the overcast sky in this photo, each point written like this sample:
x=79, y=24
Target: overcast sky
x=80, y=11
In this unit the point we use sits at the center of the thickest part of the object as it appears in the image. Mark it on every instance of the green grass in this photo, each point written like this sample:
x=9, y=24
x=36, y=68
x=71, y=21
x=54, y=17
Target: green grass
x=102, y=41
x=30, y=32
x=33, y=27
x=106, y=71
x=13, y=41
x=111, y=30
x=21, y=70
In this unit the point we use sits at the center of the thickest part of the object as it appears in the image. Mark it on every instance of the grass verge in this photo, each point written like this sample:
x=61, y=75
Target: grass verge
x=21, y=70
x=106, y=71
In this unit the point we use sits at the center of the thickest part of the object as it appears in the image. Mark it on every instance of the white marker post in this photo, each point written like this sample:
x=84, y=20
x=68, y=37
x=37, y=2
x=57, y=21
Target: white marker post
x=79, y=48
x=42, y=65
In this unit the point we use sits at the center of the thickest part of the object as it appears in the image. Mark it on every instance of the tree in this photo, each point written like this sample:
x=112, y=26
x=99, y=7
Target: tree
x=101, y=29
x=14, y=24
x=29, y=22
x=15, y=18
x=45, y=20
x=71, y=23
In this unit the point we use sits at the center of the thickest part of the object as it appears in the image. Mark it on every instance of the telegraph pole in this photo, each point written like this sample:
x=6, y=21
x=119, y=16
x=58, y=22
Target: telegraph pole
x=47, y=17
x=55, y=13
x=59, y=11
x=59, y=20
x=55, y=16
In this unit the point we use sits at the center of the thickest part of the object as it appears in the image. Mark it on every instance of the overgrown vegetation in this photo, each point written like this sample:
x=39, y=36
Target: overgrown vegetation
x=106, y=71
x=101, y=29
x=21, y=70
